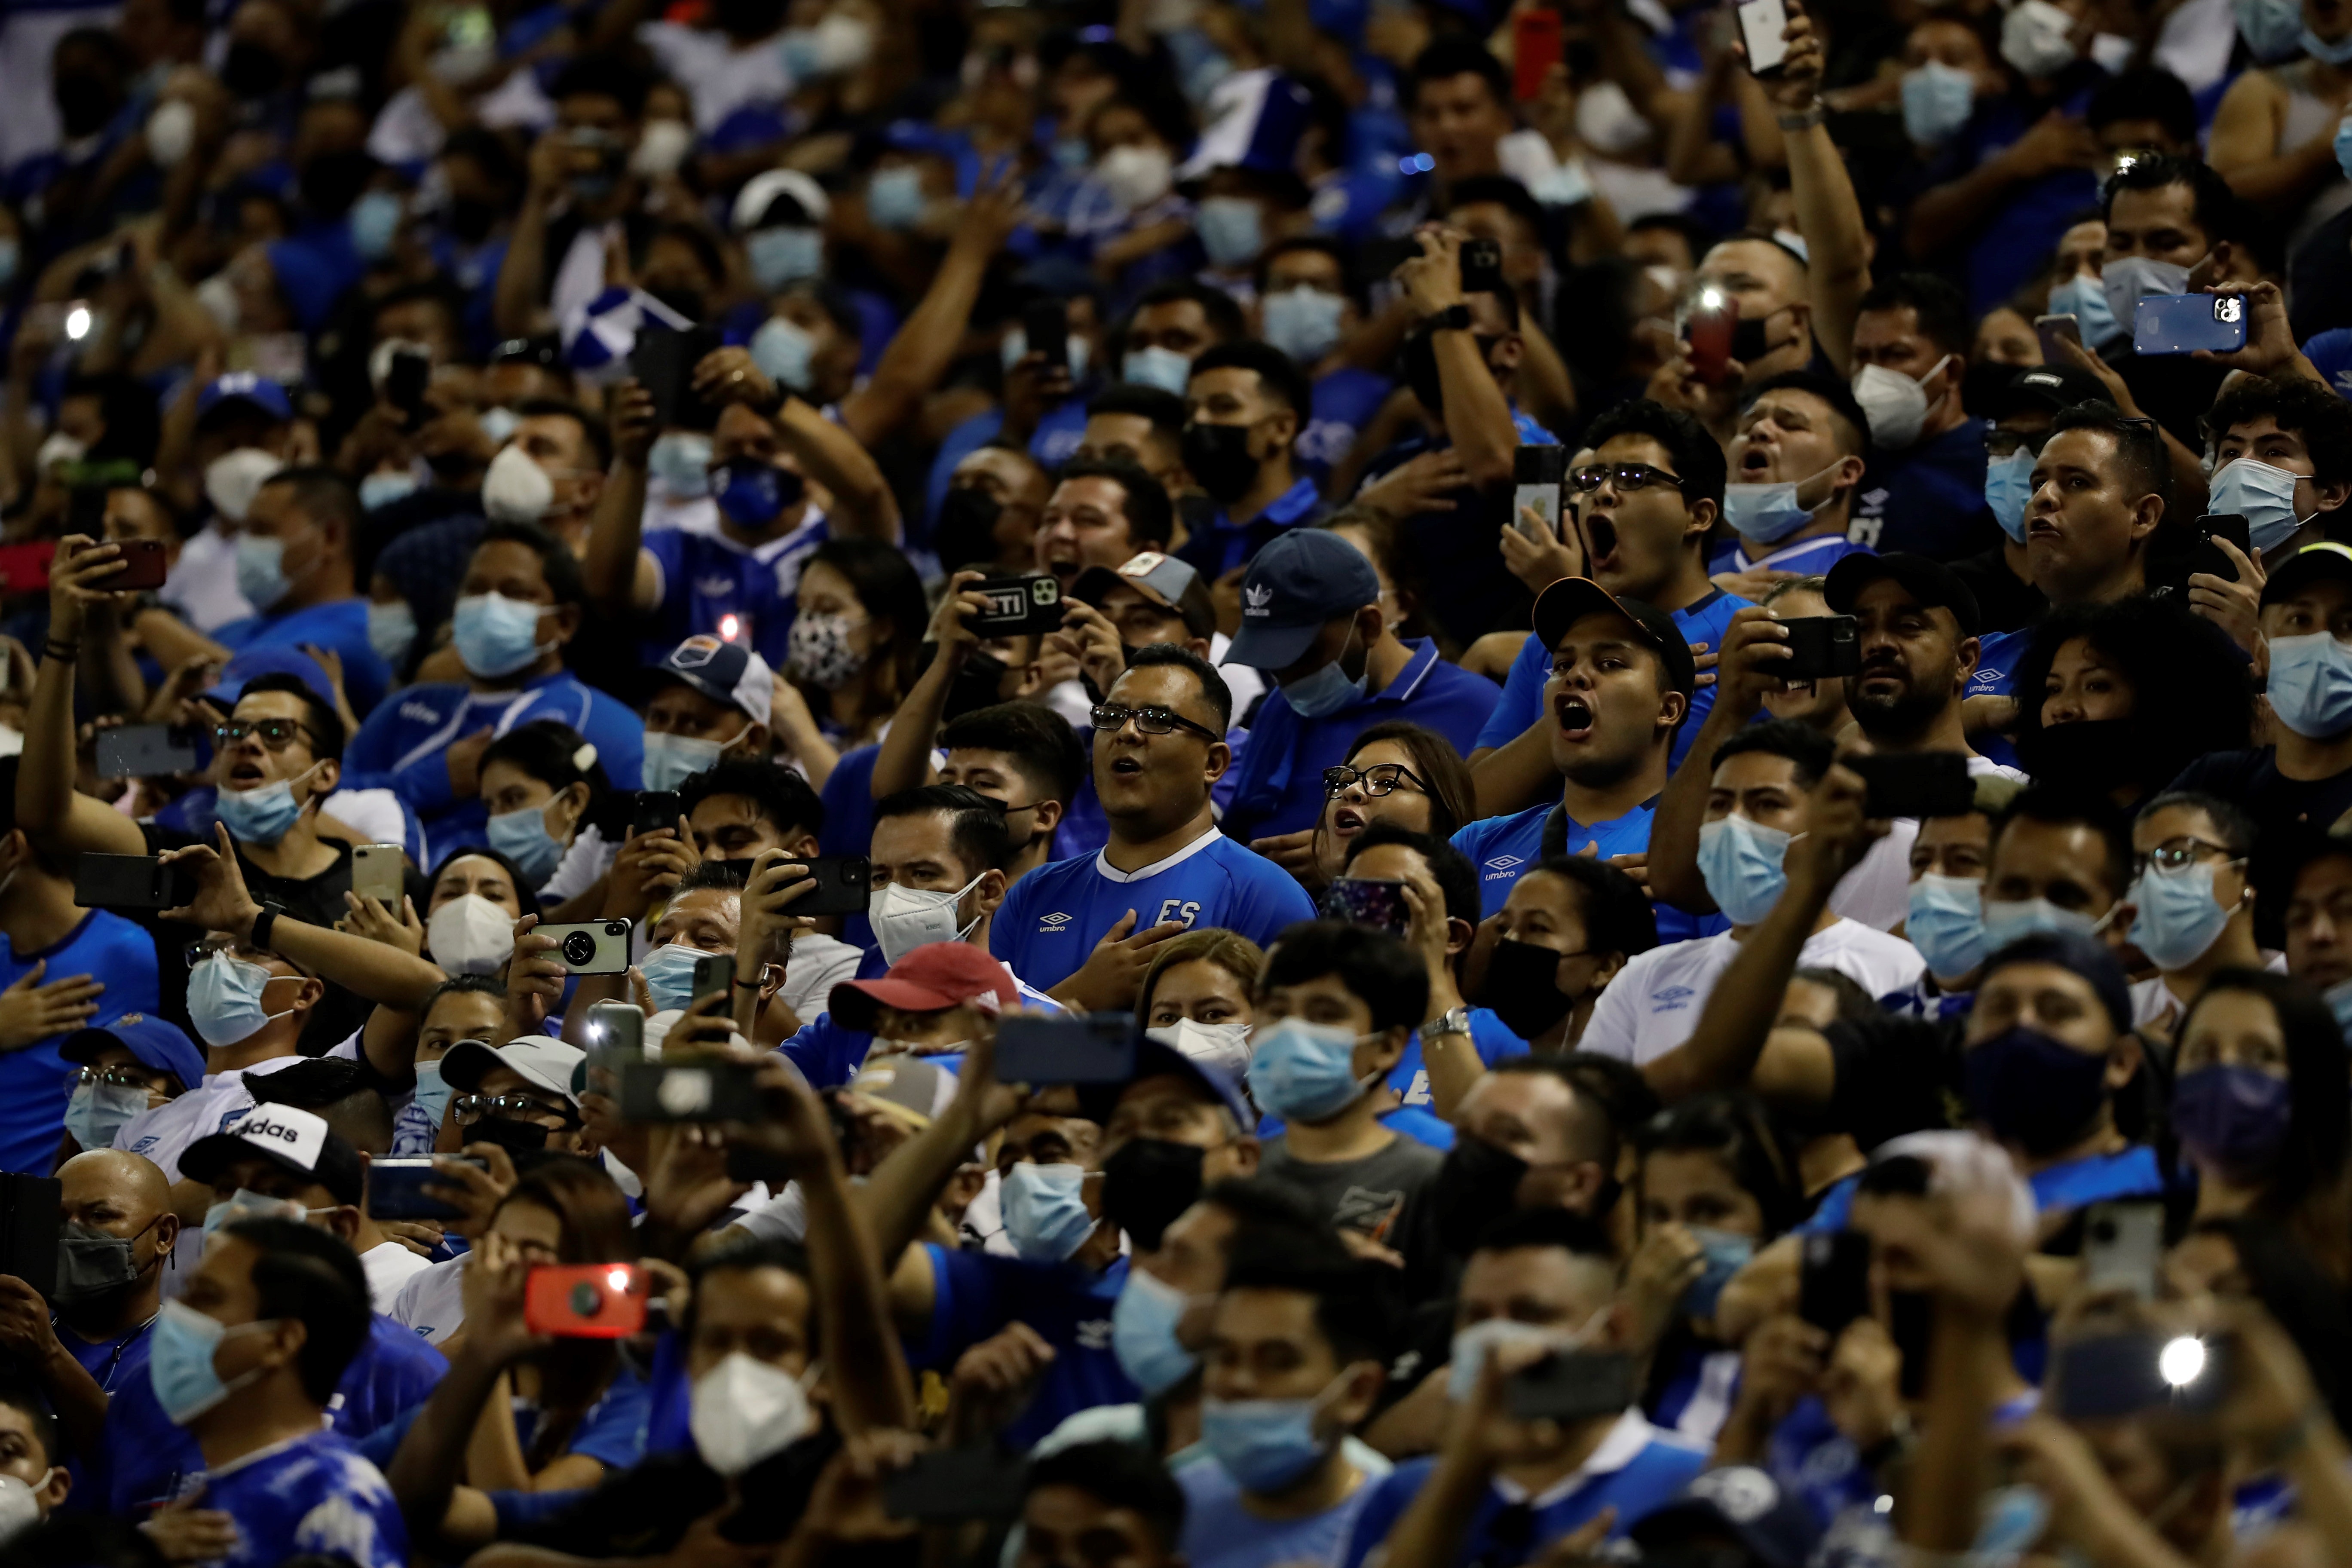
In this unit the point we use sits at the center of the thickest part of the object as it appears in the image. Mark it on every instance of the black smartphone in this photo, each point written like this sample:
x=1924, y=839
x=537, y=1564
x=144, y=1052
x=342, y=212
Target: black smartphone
x=1018, y=606
x=145, y=752
x=653, y=810
x=1833, y=1279
x=663, y=360
x=1482, y=266
x=616, y=1035
x=131, y=883
x=1823, y=645
x=1572, y=1385
x=2208, y=556
x=1916, y=785
x=395, y=1188
x=1368, y=901
x=1046, y=325
x=2102, y=1376
x=31, y=1222
x=951, y=1484
x=845, y=886
x=1087, y=1047
x=404, y=384
x=714, y=975
x=690, y=1091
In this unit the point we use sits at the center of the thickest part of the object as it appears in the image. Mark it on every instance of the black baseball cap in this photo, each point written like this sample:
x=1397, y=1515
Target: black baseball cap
x=1929, y=582
x=2049, y=386
x=2308, y=564
x=1571, y=599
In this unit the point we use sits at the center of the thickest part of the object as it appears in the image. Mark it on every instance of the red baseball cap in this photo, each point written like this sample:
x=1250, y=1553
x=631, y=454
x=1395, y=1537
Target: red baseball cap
x=937, y=974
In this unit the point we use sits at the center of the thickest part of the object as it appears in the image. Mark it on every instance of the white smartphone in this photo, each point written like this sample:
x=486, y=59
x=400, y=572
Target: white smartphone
x=1761, y=23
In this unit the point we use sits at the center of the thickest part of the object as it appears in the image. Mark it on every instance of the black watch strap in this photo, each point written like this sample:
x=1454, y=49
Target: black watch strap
x=264, y=923
x=1452, y=319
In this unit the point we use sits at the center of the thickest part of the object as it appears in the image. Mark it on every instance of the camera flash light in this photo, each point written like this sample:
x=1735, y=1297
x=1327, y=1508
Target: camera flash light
x=2180, y=1360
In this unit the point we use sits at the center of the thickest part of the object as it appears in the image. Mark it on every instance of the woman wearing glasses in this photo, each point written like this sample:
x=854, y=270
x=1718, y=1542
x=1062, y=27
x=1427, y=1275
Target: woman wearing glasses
x=1396, y=772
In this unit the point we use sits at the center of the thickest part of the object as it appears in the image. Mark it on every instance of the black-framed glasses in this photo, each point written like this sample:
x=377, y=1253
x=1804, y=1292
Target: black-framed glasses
x=1626, y=476
x=1379, y=779
x=196, y=952
x=469, y=1109
x=276, y=734
x=1110, y=718
x=2177, y=855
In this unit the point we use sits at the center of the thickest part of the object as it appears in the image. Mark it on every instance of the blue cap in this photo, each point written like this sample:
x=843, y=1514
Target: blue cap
x=1153, y=1059
x=276, y=659
x=245, y=386
x=725, y=672
x=155, y=1043
x=1738, y=1500
x=1302, y=579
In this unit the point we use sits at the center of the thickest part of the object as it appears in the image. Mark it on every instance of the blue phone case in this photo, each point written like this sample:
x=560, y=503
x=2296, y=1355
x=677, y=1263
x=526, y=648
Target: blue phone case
x=2182, y=323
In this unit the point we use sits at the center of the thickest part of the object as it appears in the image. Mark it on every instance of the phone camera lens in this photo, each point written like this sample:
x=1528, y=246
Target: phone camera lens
x=617, y=927
x=579, y=948
x=586, y=1300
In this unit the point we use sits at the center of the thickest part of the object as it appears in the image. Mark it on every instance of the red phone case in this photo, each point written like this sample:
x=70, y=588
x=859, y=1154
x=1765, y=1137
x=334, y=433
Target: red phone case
x=586, y=1301
x=1535, y=49
x=1710, y=342
x=24, y=568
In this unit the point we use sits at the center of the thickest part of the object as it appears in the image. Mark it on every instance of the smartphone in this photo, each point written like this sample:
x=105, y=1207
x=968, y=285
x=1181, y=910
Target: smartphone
x=617, y=1033
x=405, y=383
x=663, y=360
x=845, y=886
x=1916, y=785
x=1572, y=1385
x=653, y=810
x=1367, y=902
x=951, y=1484
x=1045, y=327
x=590, y=947
x=1761, y=23
x=24, y=568
x=2183, y=323
x=1833, y=1279
x=585, y=1300
x=1535, y=49
x=1823, y=645
x=712, y=976
x=131, y=883
x=2122, y=1244
x=1018, y=606
x=1482, y=266
x=395, y=1188
x=2207, y=557
x=31, y=1219
x=2102, y=1376
x=1087, y=1047
x=1537, y=473
x=1708, y=331
x=146, y=751
x=379, y=871
x=690, y=1091
x=2052, y=331
x=142, y=560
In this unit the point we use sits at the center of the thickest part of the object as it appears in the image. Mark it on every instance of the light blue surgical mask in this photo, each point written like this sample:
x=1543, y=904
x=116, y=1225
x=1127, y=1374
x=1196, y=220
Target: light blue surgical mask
x=2008, y=921
x=1323, y=692
x=261, y=815
x=1303, y=322
x=1143, y=1333
x=671, y=760
x=1304, y=1072
x=224, y=999
x=522, y=837
x=1938, y=100
x=374, y=221
x=2334, y=51
x=180, y=1360
x=384, y=487
x=1727, y=1252
x=9, y=253
x=392, y=631
x=2178, y=920
x=432, y=1092
x=2273, y=28
x=497, y=635
x=1046, y=1215
x=1231, y=230
x=1766, y=514
x=2262, y=493
x=1946, y=923
x=1071, y=153
x=1155, y=366
x=802, y=56
x=2008, y=485
x=98, y=1110
x=261, y=570
x=670, y=974
x=2127, y=280
x=2338, y=997
x=893, y=197
x=2082, y=298
x=784, y=254
x=1016, y=343
x=1741, y=863
x=1466, y=1357
x=681, y=461
x=1264, y=1444
x=785, y=353
x=2310, y=685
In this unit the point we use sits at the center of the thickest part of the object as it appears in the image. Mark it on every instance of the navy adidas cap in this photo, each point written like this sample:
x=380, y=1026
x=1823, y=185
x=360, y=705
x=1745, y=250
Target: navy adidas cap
x=1299, y=581
x=245, y=386
x=725, y=672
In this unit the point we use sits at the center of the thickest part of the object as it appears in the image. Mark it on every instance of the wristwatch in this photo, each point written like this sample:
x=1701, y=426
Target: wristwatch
x=1803, y=118
x=1453, y=1021
x=263, y=923
x=1452, y=319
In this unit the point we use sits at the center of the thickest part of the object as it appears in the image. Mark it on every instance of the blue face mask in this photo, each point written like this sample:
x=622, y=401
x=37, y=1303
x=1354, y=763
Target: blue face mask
x=375, y=220
x=1143, y=1333
x=522, y=837
x=2273, y=28
x=384, y=489
x=261, y=570
x=2261, y=493
x=785, y=353
x=1046, y=1215
x=1304, y=1072
x=98, y=1110
x=783, y=256
x=1947, y=924
x=2233, y=1120
x=224, y=999
x=1304, y=322
x=681, y=461
x=2082, y=298
x=499, y=422
x=1071, y=153
x=1155, y=366
x=392, y=631
x=497, y=635
x=1727, y=1254
x=1938, y=100
x=2006, y=921
x=893, y=197
x=2338, y=998
x=2177, y=919
x=1740, y=862
x=432, y=1093
x=1765, y=514
x=1323, y=692
x=2334, y=51
x=261, y=815
x=2310, y=686
x=669, y=975
x=1231, y=230
x=2008, y=485
x=180, y=1360
x=1263, y=1443
x=750, y=493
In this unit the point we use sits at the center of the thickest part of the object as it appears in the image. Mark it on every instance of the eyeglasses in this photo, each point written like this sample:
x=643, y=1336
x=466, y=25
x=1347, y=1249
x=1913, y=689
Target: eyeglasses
x=1379, y=779
x=1110, y=718
x=196, y=952
x=117, y=1077
x=1627, y=476
x=276, y=734
x=2177, y=855
x=472, y=1108
x=1998, y=444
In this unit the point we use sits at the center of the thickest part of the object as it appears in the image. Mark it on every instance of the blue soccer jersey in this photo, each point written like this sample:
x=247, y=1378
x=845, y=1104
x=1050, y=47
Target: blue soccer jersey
x=708, y=577
x=308, y=1495
x=1701, y=622
x=120, y=956
x=976, y=1294
x=1504, y=847
x=1055, y=915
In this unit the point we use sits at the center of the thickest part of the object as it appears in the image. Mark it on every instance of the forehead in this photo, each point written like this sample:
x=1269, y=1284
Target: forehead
x=1237, y=381
x=2324, y=876
x=2172, y=822
x=1094, y=490
x=2082, y=448
x=704, y=904
x=1553, y=1273
x=1306, y=262
x=1601, y=626
x=754, y=1296
x=910, y=835
x=2321, y=596
x=1518, y=1094
x=1888, y=323
x=1390, y=863
x=1171, y=314
x=1756, y=257
x=2258, y=425
x=1543, y=891
x=509, y=558
x=557, y=427
x=1755, y=769
x=1162, y=685
x=2174, y=203
x=1629, y=447
x=270, y=705
x=1118, y=430
x=1794, y=402
x=2018, y=978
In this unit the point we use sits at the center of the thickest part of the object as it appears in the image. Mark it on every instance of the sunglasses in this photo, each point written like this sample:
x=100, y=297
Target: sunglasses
x=1110, y=718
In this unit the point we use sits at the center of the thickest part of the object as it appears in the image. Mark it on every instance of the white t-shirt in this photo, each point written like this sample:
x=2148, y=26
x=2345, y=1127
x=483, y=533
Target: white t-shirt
x=164, y=1133
x=1877, y=892
x=389, y=1266
x=202, y=583
x=1655, y=1002
x=817, y=965
x=430, y=1300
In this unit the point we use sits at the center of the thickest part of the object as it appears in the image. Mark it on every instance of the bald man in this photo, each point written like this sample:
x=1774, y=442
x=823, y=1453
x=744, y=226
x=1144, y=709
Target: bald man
x=93, y=1337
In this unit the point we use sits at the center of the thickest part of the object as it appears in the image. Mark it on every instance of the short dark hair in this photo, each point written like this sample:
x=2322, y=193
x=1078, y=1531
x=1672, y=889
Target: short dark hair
x=1618, y=915
x=1213, y=689
x=1039, y=741
x=1941, y=308
x=1578, y=1234
x=312, y=1276
x=1504, y=192
x=556, y=562
x=1282, y=380
x=2146, y=93
x=2237, y=830
x=325, y=496
x=1151, y=517
x=1350, y=1310
x=2139, y=449
x=593, y=429
x=1224, y=317
x=1156, y=404
x=975, y=823
x=783, y=796
x=2216, y=208
x=1812, y=751
x=461, y=984
x=1698, y=460
x=20, y=1397
x=1322, y=245
x=1122, y=1475
x=1453, y=54
x=1830, y=390
x=1456, y=879
x=743, y=1252
x=549, y=750
x=435, y=290
x=727, y=876
x=319, y=716
x=2057, y=806
x=134, y=426
x=2322, y=418
x=1739, y=1130
x=606, y=75
x=1378, y=969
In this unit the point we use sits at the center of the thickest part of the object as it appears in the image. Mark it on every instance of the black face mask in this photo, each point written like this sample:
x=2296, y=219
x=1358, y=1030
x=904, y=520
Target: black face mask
x=514, y=1137
x=84, y=103
x=331, y=182
x=1522, y=987
x=975, y=686
x=1747, y=343
x=966, y=535
x=1199, y=512
x=471, y=218
x=1219, y=457
x=1148, y=1184
x=1477, y=1185
x=252, y=71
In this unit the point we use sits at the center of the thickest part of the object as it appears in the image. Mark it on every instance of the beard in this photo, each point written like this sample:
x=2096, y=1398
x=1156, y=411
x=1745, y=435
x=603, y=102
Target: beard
x=1905, y=714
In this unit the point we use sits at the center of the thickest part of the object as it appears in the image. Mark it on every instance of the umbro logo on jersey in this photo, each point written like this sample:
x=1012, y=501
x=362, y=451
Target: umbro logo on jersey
x=419, y=712
x=1052, y=923
x=1505, y=862
x=1671, y=998
x=714, y=587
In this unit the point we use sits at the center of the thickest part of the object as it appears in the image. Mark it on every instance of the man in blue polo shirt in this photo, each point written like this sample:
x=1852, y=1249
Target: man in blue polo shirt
x=1080, y=928
x=1246, y=404
x=1621, y=683
x=1311, y=619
